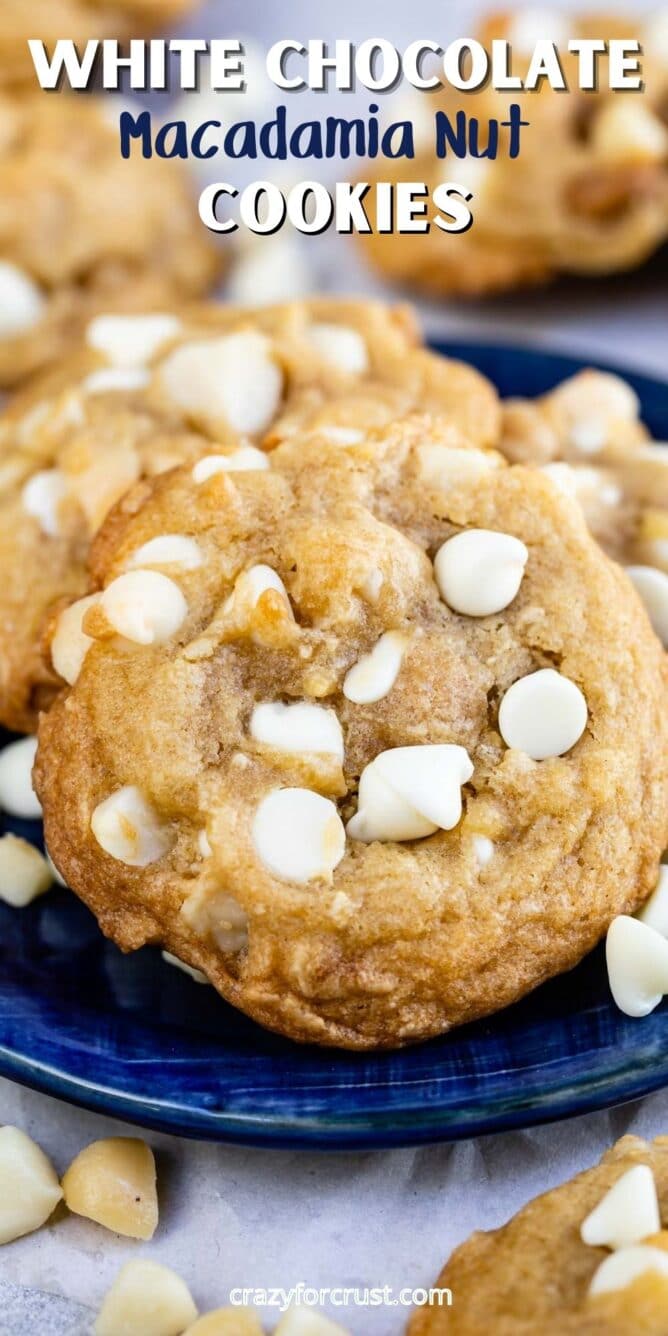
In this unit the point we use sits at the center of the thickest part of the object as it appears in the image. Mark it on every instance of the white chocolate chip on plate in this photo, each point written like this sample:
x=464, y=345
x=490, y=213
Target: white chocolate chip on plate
x=146, y=1299
x=128, y=828
x=655, y=910
x=131, y=340
x=24, y=873
x=479, y=571
x=29, y=1187
x=374, y=675
x=42, y=496
x=116, y=379
x=622, y=1268
x=637, y=960
x=298, y=727
x=112, y=1182
x=341, y=347
x=232, y=380
x=407, y=793
x=298, y=835
x=169, y=549
x=626, y=1214
x=22, y=304
x=144, y=606
x=17, y=795
x=70, y=644
x=238, y=461
x=543, y=714
x=652, y=586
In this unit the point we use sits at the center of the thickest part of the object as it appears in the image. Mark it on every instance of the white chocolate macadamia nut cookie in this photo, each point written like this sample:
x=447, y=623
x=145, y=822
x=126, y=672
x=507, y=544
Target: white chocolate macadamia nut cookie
x=79, y=20
x=82, y=230
x=214, y=387
x=588, y=1258
x=365, y=816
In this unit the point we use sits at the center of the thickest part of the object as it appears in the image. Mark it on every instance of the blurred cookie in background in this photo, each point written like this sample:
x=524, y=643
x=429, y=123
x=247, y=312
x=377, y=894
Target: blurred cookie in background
x=588, y=193
x=79, y=20
x=586, y=1259
x=82, y=229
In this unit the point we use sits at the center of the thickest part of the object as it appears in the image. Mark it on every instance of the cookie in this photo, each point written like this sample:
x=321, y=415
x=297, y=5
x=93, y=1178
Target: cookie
x=374, y=737
x=537, y=1273
x=588, y=193
x=79, y=20
x=82, y=230
x=146, y=393
x=586, y=434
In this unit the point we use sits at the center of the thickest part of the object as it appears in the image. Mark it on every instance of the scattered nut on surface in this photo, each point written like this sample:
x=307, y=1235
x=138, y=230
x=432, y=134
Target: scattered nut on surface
x=626, y=1214
x=24, y=873
x=29, y=1187
x=17, y=795
x=113, y=1182
x=146, y=1299
x=227, y=1322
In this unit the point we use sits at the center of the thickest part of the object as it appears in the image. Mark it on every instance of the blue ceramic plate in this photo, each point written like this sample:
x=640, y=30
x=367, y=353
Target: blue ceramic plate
x=131, y=1036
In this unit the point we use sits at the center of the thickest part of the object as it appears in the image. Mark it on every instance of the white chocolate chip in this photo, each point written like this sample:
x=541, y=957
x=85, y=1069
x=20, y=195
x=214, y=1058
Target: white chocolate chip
x=543, y=714
x=17, y=795
x=116, y=379
x=637, y=960
x=307, y=1322
x=146, y=1299
x=483, y=849
x=301, y=727
x=655, y=910
x=144, y=606
x=564, y=476
x=529, y=26
x=652, y=586
x=628, y=1213
x=112, y=1181
x=29, y=1187
x=70, y=644
x=479, y=571
x=22, y=304
x=622, y=1268
x=625, y=130
x=128, y=828
x=408, y=793
x=655, y=36
x=374, y=675
x=195, y=975
x=446, y=466
x=233, y=380
x=169, y=549
x=298, y=835
x=131, y=340
x=41, y=498
x=341, y=347
x=239, y=461
x=24, y=874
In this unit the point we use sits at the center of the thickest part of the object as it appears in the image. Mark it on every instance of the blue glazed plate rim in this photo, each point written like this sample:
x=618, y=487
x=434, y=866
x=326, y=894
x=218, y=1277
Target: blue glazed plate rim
x=586, y=1056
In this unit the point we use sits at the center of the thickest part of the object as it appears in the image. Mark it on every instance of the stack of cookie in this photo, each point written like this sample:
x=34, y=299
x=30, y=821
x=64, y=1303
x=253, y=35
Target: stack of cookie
x=346, y=711
x=588, y=193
